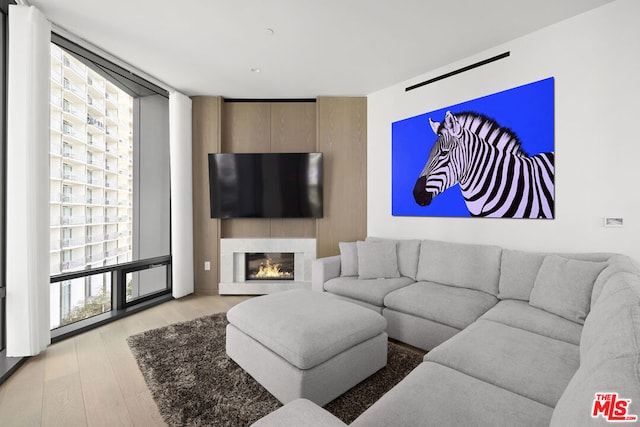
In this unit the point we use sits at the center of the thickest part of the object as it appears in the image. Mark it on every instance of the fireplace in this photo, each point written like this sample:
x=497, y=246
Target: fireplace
x=241, y=259
x=269, y=266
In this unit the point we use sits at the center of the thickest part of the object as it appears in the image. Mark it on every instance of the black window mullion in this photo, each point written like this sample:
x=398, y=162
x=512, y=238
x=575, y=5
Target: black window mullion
x=119, y=305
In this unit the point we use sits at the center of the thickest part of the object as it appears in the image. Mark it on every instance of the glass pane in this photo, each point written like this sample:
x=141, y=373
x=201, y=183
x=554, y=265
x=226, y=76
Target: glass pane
x=91, y=163
x=106, y=140
x=78, y=299
x=145, y=282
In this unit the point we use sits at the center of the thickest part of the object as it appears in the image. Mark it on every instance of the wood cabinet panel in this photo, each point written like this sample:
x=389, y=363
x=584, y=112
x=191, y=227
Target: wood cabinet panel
x=263, y=127
x=293, y=227
x=293, y=130
x=206, y=130
x=245, y=228
x=246, y=127
x=342, y=137
x=335, y=126
x=293, y=127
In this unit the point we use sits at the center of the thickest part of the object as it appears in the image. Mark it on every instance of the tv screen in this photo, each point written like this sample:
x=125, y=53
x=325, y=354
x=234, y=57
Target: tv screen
x=265, y=185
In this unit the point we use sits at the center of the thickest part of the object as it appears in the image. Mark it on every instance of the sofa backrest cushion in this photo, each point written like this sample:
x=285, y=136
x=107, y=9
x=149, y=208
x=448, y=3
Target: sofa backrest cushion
x=519, y=269
x=377, y=260
x=462, y=265
x=563, y=286
x=612, y=329
x=518, y=272
x=609, y=350
x=617, y=264
x=408, y=253
x=348, y=259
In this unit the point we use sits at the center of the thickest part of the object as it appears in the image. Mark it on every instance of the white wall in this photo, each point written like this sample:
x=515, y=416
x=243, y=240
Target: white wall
x=595, y=61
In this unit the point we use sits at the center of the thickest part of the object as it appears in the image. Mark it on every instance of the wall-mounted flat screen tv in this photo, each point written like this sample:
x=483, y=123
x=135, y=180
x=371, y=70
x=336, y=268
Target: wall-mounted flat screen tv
x=265, y=185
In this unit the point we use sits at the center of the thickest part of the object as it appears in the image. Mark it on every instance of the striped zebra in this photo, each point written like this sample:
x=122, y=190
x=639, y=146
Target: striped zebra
x=496, y=176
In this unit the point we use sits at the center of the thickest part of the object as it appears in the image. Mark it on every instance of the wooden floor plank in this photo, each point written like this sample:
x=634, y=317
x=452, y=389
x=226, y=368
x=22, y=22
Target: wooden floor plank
x=60, y=360
x=104, y=404
x=143, y=410
x=22, y=401
x=103, y=400
x=1, y=395
x=63, y=402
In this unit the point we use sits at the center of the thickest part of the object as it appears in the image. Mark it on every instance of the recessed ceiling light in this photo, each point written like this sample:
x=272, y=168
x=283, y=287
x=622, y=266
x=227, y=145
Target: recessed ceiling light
x=270, y=31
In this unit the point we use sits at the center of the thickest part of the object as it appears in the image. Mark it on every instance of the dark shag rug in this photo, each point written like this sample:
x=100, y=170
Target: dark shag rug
x=194, y=383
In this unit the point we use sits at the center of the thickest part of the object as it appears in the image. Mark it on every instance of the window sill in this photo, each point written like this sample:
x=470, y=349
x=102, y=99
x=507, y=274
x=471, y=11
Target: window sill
x=93, y=322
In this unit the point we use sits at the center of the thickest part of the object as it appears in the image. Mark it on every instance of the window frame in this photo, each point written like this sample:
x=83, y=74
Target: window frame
x=119, y=306
x=136, y=87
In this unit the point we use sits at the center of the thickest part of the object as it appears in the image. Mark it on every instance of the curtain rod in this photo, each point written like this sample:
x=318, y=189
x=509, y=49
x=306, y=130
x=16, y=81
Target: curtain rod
x=89, y=46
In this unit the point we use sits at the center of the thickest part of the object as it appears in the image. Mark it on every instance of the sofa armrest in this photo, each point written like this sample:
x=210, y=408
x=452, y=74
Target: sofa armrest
x=300, y=412
x=323, y=269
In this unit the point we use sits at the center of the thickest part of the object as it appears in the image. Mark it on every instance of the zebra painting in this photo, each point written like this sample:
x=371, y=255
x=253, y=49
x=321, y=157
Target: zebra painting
x=496, y=176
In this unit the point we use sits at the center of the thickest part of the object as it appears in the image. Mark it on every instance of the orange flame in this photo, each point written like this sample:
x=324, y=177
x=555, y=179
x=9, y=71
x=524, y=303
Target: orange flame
x=271, y=270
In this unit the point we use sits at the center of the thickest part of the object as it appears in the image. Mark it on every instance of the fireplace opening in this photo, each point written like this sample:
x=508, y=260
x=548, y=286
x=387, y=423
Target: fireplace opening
x=269, y=266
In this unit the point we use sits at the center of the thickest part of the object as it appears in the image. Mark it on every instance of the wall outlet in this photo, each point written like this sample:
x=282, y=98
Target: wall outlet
x=613, y=222
x=207, y=265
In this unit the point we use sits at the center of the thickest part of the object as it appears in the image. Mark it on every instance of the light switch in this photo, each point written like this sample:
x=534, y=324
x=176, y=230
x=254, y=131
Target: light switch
x=207, y=265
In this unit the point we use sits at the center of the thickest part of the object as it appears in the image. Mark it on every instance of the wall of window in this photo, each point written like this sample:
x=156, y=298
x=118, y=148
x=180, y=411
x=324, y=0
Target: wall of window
x=98, y=270
x=109, y=188
x=91, y=186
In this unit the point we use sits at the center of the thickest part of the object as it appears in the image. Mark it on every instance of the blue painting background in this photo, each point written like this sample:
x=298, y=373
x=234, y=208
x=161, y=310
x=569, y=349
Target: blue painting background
x=527, y=110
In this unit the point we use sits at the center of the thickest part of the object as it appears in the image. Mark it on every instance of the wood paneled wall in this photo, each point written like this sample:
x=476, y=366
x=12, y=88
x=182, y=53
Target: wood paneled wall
x=335, y=126
x=268, y=127
x=342, y=137
x=206, y=113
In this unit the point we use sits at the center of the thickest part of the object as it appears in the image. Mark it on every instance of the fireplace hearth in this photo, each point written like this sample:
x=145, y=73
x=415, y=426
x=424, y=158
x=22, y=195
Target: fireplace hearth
x=269, y=266
x=290, y=258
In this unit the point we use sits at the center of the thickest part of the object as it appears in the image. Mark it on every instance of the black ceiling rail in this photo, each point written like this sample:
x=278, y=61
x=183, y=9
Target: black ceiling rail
x=459, y=70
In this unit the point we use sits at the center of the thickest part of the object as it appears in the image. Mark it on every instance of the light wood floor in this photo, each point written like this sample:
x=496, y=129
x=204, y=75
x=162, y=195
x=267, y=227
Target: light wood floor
x=92, y=379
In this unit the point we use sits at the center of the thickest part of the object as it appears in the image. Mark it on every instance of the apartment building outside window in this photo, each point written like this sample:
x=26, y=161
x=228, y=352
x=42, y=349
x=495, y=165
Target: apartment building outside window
x=99, y=206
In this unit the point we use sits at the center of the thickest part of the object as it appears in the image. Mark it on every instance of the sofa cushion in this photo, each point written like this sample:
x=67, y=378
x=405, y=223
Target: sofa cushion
x=519, y=314
x=371, y=291
x=449, y=305
x=616, y=264
x=563, y=286
x=348, y=258
x=461, y=265
x=522, y=362
x=314, y=336
x=612, y=329
x=518, y=272
x=621, y=375
x=519, y=269
x=436, y=395
x=377, y=260
x=408, y=254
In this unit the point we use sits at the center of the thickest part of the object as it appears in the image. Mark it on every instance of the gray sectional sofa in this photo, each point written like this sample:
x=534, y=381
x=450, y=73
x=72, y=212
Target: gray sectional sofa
x=513, y=338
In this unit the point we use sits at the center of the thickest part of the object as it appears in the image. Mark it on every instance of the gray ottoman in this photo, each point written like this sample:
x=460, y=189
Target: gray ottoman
x=304, y=344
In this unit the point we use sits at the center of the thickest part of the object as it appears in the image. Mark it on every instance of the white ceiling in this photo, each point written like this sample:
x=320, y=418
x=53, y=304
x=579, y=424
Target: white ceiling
x=321, y=47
